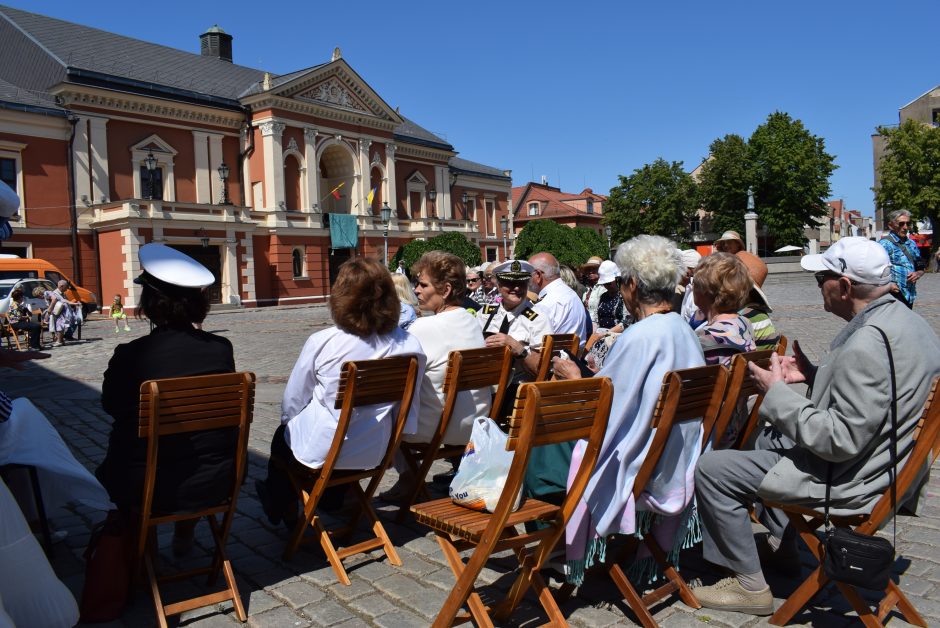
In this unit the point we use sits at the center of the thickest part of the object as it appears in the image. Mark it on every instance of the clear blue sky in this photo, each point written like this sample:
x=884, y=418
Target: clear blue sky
x=584, y=91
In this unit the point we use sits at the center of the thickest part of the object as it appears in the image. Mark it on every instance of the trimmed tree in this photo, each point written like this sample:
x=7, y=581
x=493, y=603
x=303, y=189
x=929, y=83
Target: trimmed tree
x=658, y=199
x=570, y=246
x=449, y=242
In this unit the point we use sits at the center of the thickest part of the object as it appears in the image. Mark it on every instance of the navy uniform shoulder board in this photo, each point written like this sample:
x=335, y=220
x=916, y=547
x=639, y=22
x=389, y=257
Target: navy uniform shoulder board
x=489, y=309
x=530, y=314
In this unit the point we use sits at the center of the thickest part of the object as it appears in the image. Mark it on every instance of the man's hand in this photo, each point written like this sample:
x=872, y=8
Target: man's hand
x=793, y=369
x=913, y=276
x=763, y=378
x=15, y=359
x=504, y=340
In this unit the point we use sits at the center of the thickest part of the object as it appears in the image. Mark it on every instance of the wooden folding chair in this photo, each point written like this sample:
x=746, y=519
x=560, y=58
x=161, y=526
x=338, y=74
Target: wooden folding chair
x=740, y=387
x=7, y=331
x=362, y=383
x=180, y=406
x=467, y=369
x=782, y=343
x=686, y=395
x=545, y=413
x=807, y=521
x=552, y=343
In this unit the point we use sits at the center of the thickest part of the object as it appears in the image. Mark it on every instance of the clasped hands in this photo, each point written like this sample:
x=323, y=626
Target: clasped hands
x=789, y=369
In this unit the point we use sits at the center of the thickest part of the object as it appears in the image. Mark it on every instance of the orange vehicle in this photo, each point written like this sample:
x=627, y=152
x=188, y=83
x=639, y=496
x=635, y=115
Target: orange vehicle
x=22, y=268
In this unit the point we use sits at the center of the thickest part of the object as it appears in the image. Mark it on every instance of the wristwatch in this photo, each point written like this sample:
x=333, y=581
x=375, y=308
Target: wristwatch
x=524, y=353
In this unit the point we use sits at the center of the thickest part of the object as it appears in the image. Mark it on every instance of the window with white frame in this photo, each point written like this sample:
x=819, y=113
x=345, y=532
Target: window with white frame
x=471, y=208
x=533, y=209
x=299, y=262
x=490, y=217
x=491, y=254
x=11, y=171
x=590, y=206
x=164, y=182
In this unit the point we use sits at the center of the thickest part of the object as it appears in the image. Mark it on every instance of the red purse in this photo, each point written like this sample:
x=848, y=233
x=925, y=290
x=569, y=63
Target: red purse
x=109, y=566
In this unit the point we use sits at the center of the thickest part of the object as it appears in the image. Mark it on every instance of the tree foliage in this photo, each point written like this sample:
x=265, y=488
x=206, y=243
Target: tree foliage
x=788, y=169
x=571, y=246
x=909, y=171
x=449, y=242
x=659, y=199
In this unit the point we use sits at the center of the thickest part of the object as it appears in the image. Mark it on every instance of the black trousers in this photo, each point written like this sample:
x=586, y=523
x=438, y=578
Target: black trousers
x=280, y=490
x=34, y=330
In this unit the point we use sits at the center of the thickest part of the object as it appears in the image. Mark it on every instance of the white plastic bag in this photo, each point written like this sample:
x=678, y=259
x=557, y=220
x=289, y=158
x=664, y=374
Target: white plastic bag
x=484, y=467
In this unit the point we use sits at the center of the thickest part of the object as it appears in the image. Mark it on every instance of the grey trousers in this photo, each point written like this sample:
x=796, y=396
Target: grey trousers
x=726, y=483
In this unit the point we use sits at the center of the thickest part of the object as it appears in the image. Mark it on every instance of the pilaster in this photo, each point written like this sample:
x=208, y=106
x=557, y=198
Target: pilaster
x=365, y=180
x=392, y=180
x=98, y=145
x=201, y=154
x=215, y=160
x=313, y=169
x=80, y=161
x=271, y=133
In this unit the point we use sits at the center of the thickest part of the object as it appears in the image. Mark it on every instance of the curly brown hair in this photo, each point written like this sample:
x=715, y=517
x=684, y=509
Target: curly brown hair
x=724, y=278
x=444, y=269
x=363, y=299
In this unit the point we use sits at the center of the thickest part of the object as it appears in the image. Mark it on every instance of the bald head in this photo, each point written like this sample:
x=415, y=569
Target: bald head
x=547, y=269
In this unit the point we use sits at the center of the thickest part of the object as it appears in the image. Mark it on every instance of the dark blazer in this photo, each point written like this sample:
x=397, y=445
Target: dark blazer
x=194, y=468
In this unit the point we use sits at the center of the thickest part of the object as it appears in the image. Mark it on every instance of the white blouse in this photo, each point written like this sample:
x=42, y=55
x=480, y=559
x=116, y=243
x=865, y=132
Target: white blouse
x=307, y=408
x=439, y=335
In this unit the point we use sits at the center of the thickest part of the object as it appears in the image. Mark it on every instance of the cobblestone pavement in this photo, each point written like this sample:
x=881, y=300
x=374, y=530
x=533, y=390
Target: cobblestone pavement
x=304, y=591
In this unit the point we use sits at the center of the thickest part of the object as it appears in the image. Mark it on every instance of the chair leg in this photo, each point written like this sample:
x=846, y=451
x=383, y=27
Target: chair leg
x=155, y=591
x=678, y=582
x=472, y=599
x=632, y=598
x=377, y=528
x=529, y=576
x=419, y=488
x=233, y=588
x=895, y=597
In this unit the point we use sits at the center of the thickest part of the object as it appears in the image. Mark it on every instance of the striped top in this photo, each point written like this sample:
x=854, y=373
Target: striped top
x=765, y=334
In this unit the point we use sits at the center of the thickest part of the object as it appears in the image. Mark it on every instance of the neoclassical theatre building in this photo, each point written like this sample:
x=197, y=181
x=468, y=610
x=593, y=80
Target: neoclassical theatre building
x=272, y=181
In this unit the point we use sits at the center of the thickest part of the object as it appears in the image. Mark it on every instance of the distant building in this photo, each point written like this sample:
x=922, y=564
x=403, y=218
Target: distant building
x=113, y=142
x=540, y=201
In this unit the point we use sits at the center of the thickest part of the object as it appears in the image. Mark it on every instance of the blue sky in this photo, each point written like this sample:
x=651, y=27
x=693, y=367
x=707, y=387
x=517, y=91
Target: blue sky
x=584, y=91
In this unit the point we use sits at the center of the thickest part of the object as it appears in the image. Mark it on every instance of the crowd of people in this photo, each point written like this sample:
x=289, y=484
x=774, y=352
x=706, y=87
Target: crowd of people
x=60, y=318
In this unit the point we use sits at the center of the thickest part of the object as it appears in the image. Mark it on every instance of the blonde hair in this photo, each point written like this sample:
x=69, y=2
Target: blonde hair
x=724, y=278
x=406, y=293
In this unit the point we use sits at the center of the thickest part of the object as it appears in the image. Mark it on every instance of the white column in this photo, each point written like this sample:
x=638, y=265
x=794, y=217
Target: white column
x=443, y=193
x=230, y=269
x=750, y=232
x=313, y=168
x=247, y=266
x=80, y=162
x=390, y=173
x=99, y=159
x=201, y=153
x=271, y=133
x=443, y=211
x=365, y=181
x=215, y=160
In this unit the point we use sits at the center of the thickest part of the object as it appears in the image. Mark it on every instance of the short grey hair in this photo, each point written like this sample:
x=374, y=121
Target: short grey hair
x=654, y=264
x=548, y=269
x=868, y=292
x=893, y=216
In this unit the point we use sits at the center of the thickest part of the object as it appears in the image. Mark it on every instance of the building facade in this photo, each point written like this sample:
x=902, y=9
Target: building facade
x=270, y=181
x=540, y=201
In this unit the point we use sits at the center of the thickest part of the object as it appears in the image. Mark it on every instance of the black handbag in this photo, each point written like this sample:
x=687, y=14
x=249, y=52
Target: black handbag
x=859, y=559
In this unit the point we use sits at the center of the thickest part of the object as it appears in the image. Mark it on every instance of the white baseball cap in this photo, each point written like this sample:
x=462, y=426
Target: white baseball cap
x=690, y=257
x=607, y=272
x=859, y=259
x=172, y=267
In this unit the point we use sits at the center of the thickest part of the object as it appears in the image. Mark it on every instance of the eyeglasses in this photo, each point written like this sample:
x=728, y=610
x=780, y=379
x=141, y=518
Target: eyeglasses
x=903, y=223
x=470, y=281
x=824, y=276
x=488, y=277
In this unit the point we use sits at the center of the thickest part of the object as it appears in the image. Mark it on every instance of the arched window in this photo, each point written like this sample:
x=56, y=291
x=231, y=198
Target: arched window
x=299, y=262
x=292, y=194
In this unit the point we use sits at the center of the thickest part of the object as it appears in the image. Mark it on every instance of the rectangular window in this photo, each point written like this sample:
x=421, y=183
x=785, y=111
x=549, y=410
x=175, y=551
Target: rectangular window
x=935, y=117
x=471, y=208
x=533, y=209
x=491, y=218
x=490, y=254
x=590, y=206
x=152, y=190
x=8, y=172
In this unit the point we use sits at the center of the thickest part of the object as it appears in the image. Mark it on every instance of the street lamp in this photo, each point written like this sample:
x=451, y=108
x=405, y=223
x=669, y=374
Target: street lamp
x=386, y=216
x=466, y=199
x=151, y=162
x=223, y=177
x=504, y=224
x=607, y=232
x=432, y=194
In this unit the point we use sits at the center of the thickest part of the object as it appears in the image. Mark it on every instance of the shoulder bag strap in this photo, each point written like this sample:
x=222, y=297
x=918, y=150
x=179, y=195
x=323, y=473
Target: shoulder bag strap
x=904, y=250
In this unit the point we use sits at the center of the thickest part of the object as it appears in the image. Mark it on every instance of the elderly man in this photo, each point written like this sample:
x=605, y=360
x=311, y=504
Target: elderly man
x=560, y=304
x=842, y=430
x=592, y=296
x=906, y=264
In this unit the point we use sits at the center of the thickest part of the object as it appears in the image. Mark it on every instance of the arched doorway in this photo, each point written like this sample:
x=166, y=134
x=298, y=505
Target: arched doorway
x=337, y=169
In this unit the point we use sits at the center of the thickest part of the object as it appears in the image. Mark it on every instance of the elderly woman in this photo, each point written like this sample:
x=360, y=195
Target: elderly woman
x=21, y=318
x=658, y=342
x=59, y=313
x=365, y=309
x=612, y=316
x=721, y=288
x=408, y=304
x=194, y=468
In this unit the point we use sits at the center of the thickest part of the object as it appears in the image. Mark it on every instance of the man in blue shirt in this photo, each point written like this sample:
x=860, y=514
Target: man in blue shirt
x=906, y=264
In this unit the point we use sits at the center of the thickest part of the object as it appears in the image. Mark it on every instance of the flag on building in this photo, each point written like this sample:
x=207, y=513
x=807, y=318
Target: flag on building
x=371, y=195
x=335, y=191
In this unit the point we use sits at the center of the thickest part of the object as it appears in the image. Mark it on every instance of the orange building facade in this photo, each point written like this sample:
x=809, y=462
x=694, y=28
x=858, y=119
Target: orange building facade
x=112, y=143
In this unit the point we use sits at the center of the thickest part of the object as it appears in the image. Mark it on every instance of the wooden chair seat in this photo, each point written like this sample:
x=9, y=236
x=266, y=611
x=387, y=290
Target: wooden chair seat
x=445, y=516
x=808, y=521
x=362, y=383
x=545, y=413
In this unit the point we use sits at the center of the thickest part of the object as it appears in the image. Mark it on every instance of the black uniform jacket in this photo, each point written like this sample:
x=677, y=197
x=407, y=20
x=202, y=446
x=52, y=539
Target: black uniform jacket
x=194, y=469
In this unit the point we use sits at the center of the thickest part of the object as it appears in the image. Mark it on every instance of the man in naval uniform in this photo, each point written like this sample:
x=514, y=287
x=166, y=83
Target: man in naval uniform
x=514, y=322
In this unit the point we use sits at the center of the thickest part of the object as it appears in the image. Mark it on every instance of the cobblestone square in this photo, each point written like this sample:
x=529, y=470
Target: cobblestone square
x=304, y=591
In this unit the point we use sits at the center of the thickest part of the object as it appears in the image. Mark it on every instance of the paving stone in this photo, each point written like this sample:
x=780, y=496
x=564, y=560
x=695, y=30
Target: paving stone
x=400, y=619
x=327, y=613
x=582, y=614
x=298, y=593
x=280, y=617
x=373, y=605
x=357, y=587
x=260, y=601
x=426, y=600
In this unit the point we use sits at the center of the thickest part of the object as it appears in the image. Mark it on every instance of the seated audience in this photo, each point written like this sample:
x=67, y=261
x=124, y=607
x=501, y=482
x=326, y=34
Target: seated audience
x=721, y=287
x=593, y=290
x=365, y=308
x=408, y=304
x=571, y=280
x=757, y=309
x=683, y=302
x=195, y=469
x=21, y=317
x=842, y=430
x=612, y=316
x=59, y=315
x=658, y=342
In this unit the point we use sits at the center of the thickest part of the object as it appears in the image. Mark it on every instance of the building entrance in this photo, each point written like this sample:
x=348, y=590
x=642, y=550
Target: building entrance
x=209, y=257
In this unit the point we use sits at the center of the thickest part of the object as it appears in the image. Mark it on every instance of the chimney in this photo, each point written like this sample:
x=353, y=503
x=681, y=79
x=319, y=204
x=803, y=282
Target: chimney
x=544, y=180
x=215, y=42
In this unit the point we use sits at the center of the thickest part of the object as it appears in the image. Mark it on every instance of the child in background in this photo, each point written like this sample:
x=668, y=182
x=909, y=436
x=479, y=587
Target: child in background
x=117, y=313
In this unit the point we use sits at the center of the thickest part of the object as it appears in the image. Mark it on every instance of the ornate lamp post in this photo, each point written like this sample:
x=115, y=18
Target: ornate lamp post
x=607, y=232
x=504, y=224
x=151, y=162
x=223, y=177
x=432, y=194
x=466, y=199
x=386, y=216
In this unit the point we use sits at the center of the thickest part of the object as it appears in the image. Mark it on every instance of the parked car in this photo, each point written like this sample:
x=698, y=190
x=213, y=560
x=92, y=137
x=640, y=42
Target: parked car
x=19, y=268
x=27, y=285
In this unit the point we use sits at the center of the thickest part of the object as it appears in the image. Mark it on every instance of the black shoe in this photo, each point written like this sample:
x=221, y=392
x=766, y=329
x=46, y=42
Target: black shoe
x=270, y=510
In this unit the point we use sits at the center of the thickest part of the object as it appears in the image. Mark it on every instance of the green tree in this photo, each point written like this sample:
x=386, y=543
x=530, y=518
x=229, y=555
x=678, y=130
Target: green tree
x=791, y=170
x=659, y=199
x=723, y=183
x=571, y=246
x=450, y=242
x=909, y=171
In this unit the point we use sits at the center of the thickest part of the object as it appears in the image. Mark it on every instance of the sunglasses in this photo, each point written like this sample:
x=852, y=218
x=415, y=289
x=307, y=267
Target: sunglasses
x=903, y=223
x=470, y=281
x=824, y=276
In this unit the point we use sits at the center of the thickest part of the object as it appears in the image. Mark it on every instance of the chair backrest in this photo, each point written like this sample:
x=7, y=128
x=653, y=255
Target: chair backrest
x=472, y=369
x=193, y=404
x=370, y=382
x=545, y=413
x=782, y=344
x=923, y=455
x=686, y=395
x=552, y=343
x=740, y=386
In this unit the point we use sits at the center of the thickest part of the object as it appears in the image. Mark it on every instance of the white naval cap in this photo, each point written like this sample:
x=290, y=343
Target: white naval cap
x=514, y=270
x=172, y=267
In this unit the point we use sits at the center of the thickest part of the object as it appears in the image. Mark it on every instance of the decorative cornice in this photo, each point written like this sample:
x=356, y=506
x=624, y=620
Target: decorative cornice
x=272, y=128
x=74, y=95
x=408, y=150
x=265, y=101
x=332, y=93
x=310, y=134
x=337, y=76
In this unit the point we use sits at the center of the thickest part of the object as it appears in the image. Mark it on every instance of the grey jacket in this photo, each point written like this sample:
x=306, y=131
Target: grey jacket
x=846, y=420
